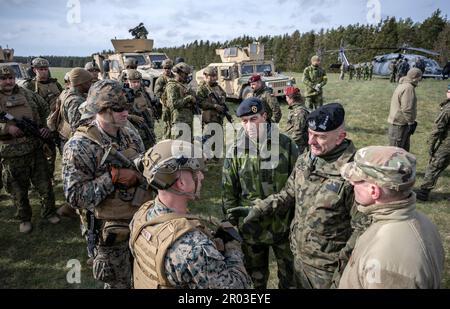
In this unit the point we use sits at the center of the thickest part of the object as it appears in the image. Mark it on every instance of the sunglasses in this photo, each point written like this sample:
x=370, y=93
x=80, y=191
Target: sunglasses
x=118, y=109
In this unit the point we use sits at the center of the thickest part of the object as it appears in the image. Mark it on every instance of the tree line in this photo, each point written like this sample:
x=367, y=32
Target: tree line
x=292, y=52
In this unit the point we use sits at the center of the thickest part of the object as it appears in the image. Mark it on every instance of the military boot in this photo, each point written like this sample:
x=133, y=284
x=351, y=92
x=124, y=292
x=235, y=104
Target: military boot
x=25, y=227
x=423, y=194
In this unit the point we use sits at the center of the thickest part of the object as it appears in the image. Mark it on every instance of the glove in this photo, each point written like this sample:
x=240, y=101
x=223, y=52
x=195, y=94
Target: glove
x=136, y=119
x=124, y=176
x=219, y=108
x=412, y=128
x=254, y=215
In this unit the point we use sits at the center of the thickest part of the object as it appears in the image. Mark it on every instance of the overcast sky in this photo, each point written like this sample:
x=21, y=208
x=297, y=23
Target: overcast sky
x=57, y=27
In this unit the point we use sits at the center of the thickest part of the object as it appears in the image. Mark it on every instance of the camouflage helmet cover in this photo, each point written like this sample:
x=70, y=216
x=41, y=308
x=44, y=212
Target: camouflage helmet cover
x=133, y=75
x=40, y=63
x=162, y=162
x=182, y=67
x=388, y=167
x=6, y=70
x=315, y=58
x=210, y=71
x=105, y=94
x=91, y=66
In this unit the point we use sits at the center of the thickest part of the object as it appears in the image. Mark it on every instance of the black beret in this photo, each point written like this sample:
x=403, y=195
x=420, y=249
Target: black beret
x=326, y=118
x=250, y=106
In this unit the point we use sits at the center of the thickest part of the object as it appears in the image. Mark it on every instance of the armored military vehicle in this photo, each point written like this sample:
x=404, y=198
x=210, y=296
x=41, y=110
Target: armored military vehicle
x=149, y=63
x=7, y=58
x=238, y=64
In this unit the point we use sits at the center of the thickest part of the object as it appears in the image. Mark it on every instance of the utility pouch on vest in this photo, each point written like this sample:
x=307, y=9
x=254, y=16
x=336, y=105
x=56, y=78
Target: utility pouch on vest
x=115, y=232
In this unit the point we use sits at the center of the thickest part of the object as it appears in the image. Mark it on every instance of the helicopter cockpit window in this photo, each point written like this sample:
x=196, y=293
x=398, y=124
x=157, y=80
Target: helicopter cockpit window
x=230, y=52
x=247, y=69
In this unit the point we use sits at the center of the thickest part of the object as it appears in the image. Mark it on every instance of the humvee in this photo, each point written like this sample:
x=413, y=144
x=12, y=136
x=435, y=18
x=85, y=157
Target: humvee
x=21, y=69
x=149, y=63
x=238, y=64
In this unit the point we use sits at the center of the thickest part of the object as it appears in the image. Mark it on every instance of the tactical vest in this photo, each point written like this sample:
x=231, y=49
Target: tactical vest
x=47, y=90
x=18, y=106
x=121, y=204
x=150, y=241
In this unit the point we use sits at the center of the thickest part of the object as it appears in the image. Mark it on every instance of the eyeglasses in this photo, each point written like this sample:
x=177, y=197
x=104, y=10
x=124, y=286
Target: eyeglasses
x=118, y=109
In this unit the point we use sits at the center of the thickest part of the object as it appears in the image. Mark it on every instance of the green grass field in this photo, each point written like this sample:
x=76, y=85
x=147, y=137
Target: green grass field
x=39, y=260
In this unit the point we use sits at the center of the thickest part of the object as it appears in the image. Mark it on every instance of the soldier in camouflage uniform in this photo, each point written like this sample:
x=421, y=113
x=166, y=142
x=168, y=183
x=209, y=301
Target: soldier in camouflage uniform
x=351, y=71
x=358, y=72
x=80, y=83
x=181, y=102
x=315, y=78
x=172, y=248
x=130, y=64
x=370, y=70
x=393, y=66
x=160, y=87
x=297, y=127
x=22, y=156
x=326, y=223
x=264, y=93
x=211, y=98
x=366, y=71
x=342, y=75
x=93, y=68
x=49, y=89
x=109, y=192
x=402, y=247
x=141, y=115
x=439, y=150
x=244, y=180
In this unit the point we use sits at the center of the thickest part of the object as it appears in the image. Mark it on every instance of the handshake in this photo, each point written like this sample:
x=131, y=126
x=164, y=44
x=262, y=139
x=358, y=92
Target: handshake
x=249, y=213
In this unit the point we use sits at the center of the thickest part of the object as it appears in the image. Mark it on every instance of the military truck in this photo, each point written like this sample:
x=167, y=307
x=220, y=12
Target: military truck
x=238, y=64
x=149, y=63
x=21, y=69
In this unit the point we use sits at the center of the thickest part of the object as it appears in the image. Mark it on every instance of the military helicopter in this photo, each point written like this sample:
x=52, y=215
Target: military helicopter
x=381, y=63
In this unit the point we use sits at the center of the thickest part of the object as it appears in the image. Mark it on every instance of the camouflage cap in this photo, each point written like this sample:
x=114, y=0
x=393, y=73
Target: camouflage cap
x=105, y=94
x=182, y=67
x=163, y=162
x=388, y=167
x=91, y=66
x=7, y=70
x=167, y=64
x=40, y=63
x=78, y=76
x=315, y=58
x=210, y=71
x=131, y=74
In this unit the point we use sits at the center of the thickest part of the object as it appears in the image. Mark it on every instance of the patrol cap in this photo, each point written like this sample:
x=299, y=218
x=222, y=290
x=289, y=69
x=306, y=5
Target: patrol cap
x=327, y=118
x=133, y=75
x=105, y=94
x=167, y=64
x=182, y=67
x=388, y=167
x=291, y=90
x=40, y=63
x=254, y=78
x=6, y=70
x=162, y=163
x=78, y=76
x=250, y=106
x=91, y=66
x=210, y=71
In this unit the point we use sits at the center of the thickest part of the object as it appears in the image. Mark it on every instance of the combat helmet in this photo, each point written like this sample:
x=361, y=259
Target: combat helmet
x=40, y=63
